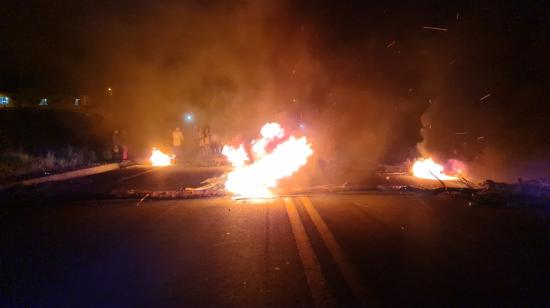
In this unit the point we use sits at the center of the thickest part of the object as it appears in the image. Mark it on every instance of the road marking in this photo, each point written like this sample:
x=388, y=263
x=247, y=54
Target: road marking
x=351, y=276
x=137, y=174
x=318, y=287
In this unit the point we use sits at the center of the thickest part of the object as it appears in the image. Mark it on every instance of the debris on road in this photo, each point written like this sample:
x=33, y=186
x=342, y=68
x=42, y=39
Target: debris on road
x=486, y=96
x=215, y=183
x=142, y=199
x=435, y=28
x=522, y=193
x=533, y=193
x=165, y=194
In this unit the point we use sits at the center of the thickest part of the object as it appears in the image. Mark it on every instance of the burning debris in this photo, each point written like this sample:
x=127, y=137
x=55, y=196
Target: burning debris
x=426, y=168
x=160, y=159
x=275, y=155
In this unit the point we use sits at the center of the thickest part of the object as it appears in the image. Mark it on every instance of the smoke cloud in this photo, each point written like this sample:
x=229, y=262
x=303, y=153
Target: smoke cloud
x=368, y=82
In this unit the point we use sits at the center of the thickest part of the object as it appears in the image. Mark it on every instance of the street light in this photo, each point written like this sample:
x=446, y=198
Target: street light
x=188, y=117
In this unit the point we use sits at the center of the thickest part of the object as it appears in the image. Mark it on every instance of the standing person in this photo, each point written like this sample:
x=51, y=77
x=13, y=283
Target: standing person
x=124, y=144
x=177, y=142
x=204, y=144
x=117, y=144
x=206, y=139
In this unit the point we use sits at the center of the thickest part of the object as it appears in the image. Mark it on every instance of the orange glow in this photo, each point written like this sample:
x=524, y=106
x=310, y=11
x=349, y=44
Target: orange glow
x=160, y=159
x=237, y=156
x=426, y=168
x=256, y=179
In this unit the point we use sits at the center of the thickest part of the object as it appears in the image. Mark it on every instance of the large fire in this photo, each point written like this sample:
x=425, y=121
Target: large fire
x=426, y=168
x=275, y=155
x=160, y=159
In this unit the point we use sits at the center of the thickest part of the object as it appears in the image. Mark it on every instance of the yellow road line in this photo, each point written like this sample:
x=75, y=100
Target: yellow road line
x=322, y=297
x=351, y=276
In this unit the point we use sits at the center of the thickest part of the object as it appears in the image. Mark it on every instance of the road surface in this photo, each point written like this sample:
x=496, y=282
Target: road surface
x=353, y=249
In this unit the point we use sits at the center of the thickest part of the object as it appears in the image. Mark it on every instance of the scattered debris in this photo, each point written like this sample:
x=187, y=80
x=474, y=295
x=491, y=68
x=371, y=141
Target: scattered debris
x=485, y=97
x=461, y=133
x=435, y=28
x=142, y=199
x=457, y=15
x=480, y=137
x=277, y=268
x=523, y=193
x=210, y=184
x=165, y=194
x=391, y=44
x=467, y=182
x=326, y=188
x=533, y=193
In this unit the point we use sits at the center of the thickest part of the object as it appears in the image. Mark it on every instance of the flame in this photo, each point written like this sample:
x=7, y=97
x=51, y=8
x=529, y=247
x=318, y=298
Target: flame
x=426, y=168
x=237, y=156
x=160, y=159
x=274, y=156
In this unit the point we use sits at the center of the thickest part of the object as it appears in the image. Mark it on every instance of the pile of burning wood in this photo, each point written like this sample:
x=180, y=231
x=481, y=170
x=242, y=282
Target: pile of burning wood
x=276, y=154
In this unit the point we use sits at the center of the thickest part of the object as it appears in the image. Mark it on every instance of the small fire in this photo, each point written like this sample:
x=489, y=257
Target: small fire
x=274, y=156
x=160, y=159
x=426, y=168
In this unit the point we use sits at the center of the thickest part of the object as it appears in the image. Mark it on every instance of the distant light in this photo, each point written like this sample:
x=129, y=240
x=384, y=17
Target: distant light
x=302, y=126
x=188, y=117
x=77, y=102
x=4, y=100
x=109, y=89
x=43, y=102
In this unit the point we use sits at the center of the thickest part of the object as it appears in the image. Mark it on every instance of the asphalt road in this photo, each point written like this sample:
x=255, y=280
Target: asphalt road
x=352, y=249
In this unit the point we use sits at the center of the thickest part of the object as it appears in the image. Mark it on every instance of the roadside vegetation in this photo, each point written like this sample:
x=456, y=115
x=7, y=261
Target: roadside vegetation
x=15, y=164
x=37, y=143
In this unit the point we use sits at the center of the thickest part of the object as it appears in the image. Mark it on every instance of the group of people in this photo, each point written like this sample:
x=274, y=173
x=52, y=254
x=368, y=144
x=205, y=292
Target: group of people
x=204, y=144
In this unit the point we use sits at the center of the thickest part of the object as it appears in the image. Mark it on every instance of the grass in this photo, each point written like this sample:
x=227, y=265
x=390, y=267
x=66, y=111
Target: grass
x=16, y=164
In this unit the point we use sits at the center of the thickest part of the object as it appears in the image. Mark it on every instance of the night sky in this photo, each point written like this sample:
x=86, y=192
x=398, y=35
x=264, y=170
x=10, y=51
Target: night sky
x=371, y=77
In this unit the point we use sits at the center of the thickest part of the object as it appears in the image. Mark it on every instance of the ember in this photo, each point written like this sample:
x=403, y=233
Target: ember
x=426, y=168
x=274, y=156
x=160, y=159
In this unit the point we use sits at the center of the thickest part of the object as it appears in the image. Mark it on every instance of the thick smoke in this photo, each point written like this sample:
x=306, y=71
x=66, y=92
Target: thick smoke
x=488, y=99
x=238, y=66
x=369, y=82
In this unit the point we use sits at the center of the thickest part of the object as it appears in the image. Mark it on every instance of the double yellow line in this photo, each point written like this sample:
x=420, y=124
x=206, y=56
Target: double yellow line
x=320, y=291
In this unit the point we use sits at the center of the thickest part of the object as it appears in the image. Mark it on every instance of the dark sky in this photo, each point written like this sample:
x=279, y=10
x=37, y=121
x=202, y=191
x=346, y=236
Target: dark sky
x=366, y=74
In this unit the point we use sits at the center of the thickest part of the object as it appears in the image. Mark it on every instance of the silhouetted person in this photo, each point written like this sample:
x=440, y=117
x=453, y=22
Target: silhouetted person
x=124, y=144
x=117, y=145
x=177, y=142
